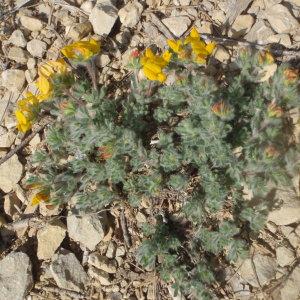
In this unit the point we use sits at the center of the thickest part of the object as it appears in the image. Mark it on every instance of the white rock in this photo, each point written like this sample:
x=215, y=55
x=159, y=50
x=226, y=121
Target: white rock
x=4, y=101
x=17, y=38
x=235, y=8
x=31, y=63
x=120, y=251
x=204, y=26
x=68, y=272
x=36, y=48
x=221, y=54
x=140, y=217
x=103, y=263
x=282, y=38
x=218, y=16
x=11, y=203
x=30, y=75
x=87, y=6
x=288, y=213
x=89, y=230
x=99, y=275
x=49, y=239
x=256, y=7
x=291, y=289
x=10, y=173
x=265, y=269
x=284, y=256
x=15, y=276
x=18, y=55
x=6, y=137
x=259, y=32
x=294, y=2
x=111, y=250
x=177, y=25
x=103, y=17
x=13, y=79
x=30, y=23
x=241, y=26
x=130, y=14
x=281, y=19
x=102, y=60
x=78, y=31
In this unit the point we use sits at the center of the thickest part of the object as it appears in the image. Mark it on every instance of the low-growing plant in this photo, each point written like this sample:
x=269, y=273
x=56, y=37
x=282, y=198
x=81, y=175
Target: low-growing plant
x=211, y=140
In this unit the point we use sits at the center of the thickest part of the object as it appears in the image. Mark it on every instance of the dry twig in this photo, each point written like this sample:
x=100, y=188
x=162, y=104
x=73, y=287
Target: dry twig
x=123, y=223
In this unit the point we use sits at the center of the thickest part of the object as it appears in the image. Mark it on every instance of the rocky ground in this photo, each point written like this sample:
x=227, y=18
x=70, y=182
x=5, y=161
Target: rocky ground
x=46, y=253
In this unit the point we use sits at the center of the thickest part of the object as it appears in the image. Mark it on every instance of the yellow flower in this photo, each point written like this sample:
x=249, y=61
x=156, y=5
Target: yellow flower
x=27, y=108
x=45, y=87
x=82, y=50
x=266, y=57
x=24, y=124
x=39, y=197
x=153, y=64
x=199, y=48
x=50, y=68
x=176, y=46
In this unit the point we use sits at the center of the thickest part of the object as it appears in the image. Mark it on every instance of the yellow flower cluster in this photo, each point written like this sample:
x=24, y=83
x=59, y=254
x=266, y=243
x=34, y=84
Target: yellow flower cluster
x=82, y=50
x=193, y=47
x=153, y=65
x=28, y=107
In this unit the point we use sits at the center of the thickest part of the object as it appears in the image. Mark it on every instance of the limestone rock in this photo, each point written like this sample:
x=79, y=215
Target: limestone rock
x=10, y=173
x=13, y=79
x=30, y=75
x=282, y=38
x=288, y=213
x=102, y=60
x=103, y=17
x=7, y=138
x=100, y=275
x=241, y=26
x=18, y=55
x=103, y=263
x=265, y=269
x=87, y=6
x=49, y=238
x=17, y=38
x=68, y=272
x=204, y=26
x=15, y=276
x=177, y=25
x=30, y=23
x=234, y=8
x=291, y=288
x=37, y=48
x=221, y=54
x=111, y=250
x=281, y=19
x=78, y=31
x=259, y=32
x=130, y=14
x=89, y=230
x=11, y=201
x=284, y=256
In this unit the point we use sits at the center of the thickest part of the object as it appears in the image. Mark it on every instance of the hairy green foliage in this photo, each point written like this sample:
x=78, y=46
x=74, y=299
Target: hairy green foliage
x=213, y=141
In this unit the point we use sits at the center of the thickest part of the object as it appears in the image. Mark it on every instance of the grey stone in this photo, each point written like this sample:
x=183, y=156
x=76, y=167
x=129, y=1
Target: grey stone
x=102, y=60
x=49, y=239
x=177, y=25
x=111, y=250
x=68, y=272
x=281, y=19
x=18, y=55
x=235, y=8
x=284, y=256
x=7, y=138
x=87, y=6
x=291, y=288
x=265, y=269
x=282, y=38
x=241, y=26
x=103, y=17
x=15, y=276
x=259, y=32
x=17, y=38
x=100, y=275
x=30, y=23
x=37, y=48
x=13, y=79
x=89, y=230
x=10, y=173
x=221, y=54
x=103, y=263
x=130, y=14
x=78, y=31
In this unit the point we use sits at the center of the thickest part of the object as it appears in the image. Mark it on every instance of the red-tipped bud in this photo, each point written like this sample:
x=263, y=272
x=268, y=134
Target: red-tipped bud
x=135, y=53
x=274, y=111
x=222, y=110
